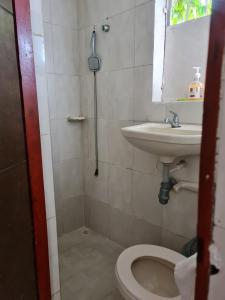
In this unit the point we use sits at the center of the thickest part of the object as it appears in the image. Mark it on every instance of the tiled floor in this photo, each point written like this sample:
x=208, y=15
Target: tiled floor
x=87, y=263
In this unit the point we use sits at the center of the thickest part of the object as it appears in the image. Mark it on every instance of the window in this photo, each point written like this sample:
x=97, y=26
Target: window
x=186, y=10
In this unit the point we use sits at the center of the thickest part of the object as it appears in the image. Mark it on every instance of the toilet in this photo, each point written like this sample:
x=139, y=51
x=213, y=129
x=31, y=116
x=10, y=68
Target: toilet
x=146, y=272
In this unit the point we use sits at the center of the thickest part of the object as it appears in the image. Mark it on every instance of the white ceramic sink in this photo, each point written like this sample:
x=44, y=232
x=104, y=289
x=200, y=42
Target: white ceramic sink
x=164, y=141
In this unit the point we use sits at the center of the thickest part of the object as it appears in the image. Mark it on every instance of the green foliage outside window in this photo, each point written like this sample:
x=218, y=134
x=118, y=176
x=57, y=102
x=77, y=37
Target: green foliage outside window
x=186, y=10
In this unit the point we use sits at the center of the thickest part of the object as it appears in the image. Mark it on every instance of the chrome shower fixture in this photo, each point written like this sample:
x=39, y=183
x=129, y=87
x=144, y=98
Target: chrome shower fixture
x=106, y=27
x=94, y=61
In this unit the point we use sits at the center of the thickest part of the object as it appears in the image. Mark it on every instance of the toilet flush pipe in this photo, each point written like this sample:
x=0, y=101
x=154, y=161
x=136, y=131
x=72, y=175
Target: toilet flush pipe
x=186, y=185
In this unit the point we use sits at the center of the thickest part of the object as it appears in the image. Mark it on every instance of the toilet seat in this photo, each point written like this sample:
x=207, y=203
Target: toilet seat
x=128, y=285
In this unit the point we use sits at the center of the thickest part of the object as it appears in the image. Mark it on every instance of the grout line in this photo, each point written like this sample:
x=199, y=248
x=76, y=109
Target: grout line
x=6, y=10
x=133, y=67
x=62, y=26
x=86, y=26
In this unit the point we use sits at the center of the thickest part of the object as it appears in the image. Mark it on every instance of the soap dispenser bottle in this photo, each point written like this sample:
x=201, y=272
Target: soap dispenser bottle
x=196, y=88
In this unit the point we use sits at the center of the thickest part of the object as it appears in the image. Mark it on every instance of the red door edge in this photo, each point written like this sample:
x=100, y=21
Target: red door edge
x=32, y=133
x=208, y=148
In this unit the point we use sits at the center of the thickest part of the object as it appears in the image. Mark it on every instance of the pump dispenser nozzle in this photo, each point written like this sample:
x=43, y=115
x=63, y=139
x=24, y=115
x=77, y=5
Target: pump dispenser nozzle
x=197, y=74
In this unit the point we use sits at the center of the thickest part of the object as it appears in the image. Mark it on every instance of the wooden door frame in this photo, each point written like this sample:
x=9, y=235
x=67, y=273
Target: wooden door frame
x=208, y=148
x=33, y=143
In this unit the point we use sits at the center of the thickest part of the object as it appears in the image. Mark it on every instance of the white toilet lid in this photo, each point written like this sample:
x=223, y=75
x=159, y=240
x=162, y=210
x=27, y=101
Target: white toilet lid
x=124, y=274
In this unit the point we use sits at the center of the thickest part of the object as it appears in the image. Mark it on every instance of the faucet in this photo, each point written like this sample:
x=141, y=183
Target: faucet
x=175, y=121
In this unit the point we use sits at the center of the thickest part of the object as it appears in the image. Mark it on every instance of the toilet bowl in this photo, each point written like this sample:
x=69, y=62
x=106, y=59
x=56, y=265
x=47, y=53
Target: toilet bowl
x=146, y=272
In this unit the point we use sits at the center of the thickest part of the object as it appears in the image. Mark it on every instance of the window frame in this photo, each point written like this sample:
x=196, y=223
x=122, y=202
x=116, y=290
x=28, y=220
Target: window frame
x=169, y=6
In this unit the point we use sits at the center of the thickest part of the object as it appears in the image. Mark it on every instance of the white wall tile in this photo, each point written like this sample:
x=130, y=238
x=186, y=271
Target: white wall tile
x=68, y=177
x=54, y=275
x=144, y=162
x=42, y=96
x=39, y=54
x=190, y=113
x=85, y=49
x=144, y=108
x=64, y=96
x=46, y=11
x=142, y=92
x=48, y=48
x=116, y=94
x=91, y=11
x=139, y=2
x=66, y=140
x=145, y=203
x=36, y=20
x=56, y=296
x=121, y=6
x=64, y=13
x=97, y=186
x=120, y=151
x=116, y=48
x=87, y=95
x=52, y=237
x=180, y=214
x=120, y=187
x=65, y=50
x=85, y=142
x=180, y=57
x=144, y=33
x=190, y=171
x=73, y=213
x=48, y=176
x=103, y=140
x=173, y=241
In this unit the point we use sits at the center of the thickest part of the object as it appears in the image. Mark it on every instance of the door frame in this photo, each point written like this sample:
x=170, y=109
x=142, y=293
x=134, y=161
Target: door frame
x=25, y=55
x=207, y=182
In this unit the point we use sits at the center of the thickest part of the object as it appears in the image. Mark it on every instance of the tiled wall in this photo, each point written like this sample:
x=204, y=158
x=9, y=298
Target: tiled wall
x=62, y=67
x=122, y=202
x=217, y=290
x=186, y=47
x=41, y=81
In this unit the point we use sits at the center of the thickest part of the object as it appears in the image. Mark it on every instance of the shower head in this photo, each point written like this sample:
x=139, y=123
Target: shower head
x=94, y=61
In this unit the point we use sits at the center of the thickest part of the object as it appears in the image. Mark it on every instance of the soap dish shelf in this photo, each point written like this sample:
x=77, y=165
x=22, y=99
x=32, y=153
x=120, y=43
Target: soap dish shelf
x=75, y=119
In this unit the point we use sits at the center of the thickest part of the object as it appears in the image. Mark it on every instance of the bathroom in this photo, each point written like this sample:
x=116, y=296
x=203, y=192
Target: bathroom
x=103, y=70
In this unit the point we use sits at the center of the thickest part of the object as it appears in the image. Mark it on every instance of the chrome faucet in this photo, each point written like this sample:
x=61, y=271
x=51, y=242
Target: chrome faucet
x=175, y=121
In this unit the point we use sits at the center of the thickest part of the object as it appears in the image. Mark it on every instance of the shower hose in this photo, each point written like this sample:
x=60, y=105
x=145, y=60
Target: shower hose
x=96, y=124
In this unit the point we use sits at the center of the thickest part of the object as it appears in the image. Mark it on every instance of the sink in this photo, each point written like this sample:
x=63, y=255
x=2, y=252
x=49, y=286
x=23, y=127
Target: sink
x=163, y=140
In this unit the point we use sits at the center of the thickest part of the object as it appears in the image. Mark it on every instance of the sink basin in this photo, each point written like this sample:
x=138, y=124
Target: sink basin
x=164, y=141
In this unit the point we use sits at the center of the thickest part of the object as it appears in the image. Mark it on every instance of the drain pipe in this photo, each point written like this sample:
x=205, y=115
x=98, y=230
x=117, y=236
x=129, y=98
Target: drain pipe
x=166, y=185
x=186, y=185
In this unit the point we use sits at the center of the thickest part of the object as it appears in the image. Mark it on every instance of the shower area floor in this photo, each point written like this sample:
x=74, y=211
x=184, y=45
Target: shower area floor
x=87, y=264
